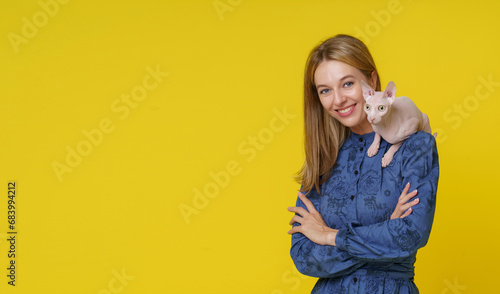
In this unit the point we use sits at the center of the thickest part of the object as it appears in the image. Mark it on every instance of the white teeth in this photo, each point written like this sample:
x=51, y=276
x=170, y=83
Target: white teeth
x=345, y=110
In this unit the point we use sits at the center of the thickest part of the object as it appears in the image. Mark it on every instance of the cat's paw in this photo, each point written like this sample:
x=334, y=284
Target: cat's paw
x=372, y=151
x=386, y=159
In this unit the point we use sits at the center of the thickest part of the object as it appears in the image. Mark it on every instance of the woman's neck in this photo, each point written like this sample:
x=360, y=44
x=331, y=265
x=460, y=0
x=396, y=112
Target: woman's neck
x=363, y=128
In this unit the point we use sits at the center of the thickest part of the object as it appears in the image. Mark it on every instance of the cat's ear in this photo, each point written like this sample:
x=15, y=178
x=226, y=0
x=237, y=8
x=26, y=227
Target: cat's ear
x=390, y=91
x=367, y=90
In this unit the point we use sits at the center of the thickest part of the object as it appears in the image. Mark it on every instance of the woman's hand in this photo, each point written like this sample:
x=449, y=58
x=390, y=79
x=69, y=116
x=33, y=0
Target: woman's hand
x=404, y=209
x=311, y=224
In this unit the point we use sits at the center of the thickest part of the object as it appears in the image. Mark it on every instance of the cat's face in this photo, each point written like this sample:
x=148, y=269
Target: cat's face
x=378, y=104
x=376, y=107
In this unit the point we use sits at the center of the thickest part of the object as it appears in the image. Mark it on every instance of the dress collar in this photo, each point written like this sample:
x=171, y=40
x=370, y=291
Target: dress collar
x=356, y=138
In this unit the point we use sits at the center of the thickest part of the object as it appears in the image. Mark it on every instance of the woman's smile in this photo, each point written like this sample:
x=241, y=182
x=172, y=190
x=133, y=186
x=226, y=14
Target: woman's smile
x=346, y=111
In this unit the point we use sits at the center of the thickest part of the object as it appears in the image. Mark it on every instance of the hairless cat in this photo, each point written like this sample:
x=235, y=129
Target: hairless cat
x=393, y=119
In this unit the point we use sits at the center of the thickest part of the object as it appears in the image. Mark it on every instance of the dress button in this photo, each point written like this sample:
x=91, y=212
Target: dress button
x=355, y=172
x=360, y=139
x=355, y=280
x=352, y=197
x=361, y=149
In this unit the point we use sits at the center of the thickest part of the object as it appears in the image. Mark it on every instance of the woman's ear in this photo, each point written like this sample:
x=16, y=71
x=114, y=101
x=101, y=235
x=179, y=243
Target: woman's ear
x=373, y=79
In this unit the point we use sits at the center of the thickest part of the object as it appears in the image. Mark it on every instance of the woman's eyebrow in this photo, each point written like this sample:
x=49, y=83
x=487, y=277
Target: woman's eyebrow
x=341, y=79
x=345, y=77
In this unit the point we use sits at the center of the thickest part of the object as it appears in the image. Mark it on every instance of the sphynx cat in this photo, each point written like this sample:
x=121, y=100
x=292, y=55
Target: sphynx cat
x=393, y=119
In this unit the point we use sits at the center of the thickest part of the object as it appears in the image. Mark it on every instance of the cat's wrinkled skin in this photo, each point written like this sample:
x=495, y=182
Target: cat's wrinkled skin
x=393, y=119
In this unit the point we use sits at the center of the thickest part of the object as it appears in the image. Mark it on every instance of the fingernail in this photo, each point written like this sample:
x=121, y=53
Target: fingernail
x=417, y=200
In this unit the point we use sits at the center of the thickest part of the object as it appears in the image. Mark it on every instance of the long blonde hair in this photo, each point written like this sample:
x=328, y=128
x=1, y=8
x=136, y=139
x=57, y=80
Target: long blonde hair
x=323, y=134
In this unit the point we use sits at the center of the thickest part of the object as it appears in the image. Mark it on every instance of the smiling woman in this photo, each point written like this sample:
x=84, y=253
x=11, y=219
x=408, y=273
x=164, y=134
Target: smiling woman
x=358, y=229
x=340, y=94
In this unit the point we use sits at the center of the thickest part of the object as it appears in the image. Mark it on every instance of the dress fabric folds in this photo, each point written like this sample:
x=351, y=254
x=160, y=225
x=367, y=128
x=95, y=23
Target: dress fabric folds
x=373, y=254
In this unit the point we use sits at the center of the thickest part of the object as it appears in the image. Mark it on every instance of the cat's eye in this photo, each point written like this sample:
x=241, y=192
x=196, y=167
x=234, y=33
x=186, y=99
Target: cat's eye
x=381, y=108
x=367, y=107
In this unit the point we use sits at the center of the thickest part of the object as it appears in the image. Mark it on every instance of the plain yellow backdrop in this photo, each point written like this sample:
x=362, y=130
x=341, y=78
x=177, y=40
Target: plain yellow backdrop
x=153, y=143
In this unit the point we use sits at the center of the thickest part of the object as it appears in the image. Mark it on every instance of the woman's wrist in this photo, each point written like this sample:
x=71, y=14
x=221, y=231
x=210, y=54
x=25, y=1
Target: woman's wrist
x=330, y=237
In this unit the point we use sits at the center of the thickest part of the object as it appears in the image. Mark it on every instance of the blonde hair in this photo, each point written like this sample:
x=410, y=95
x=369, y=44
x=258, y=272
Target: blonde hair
x=323, y=134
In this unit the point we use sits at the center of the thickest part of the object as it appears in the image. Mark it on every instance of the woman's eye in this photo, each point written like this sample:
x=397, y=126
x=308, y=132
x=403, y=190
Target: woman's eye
x=348, y=84
x=324, y=91
x=381, y=108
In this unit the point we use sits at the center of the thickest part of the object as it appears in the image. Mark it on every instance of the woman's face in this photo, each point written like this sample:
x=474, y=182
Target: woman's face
x=339, y=90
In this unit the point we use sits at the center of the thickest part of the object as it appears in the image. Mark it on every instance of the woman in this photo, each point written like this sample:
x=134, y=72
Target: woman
x=357, y=229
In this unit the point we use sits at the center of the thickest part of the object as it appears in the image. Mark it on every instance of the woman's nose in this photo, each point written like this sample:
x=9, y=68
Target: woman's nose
x=338, y=98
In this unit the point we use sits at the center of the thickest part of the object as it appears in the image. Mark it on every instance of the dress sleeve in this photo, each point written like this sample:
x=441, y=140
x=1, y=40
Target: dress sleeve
x=316, y=260
x=399, y=238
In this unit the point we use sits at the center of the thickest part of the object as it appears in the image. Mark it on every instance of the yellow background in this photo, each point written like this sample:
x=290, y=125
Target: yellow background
x=232, y=66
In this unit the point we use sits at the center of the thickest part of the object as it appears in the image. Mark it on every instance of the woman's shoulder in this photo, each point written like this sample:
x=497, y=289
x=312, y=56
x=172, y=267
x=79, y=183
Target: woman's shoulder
x=419, y=138
x=419, y=143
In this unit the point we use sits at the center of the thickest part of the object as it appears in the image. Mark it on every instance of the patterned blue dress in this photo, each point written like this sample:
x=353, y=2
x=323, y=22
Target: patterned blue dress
x=374, y=254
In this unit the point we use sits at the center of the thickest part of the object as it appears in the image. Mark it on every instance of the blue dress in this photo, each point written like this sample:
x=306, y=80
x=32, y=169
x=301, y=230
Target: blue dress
x=373, y=254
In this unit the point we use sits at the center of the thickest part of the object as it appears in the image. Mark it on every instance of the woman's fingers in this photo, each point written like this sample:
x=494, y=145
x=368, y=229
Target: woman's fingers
x=404, y=200
x=410, y=204
x=407, y=213
x=407, y=208
x=403, y=208
x=405, y=196
x=299, y=210
x=307, y=202
x=296, y=229
x=405, y=190
x=295, y=219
